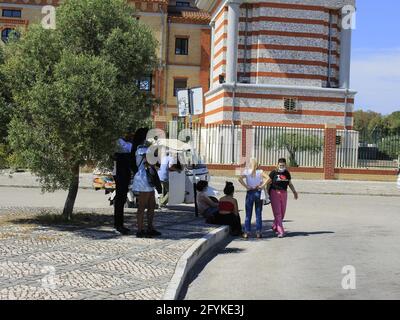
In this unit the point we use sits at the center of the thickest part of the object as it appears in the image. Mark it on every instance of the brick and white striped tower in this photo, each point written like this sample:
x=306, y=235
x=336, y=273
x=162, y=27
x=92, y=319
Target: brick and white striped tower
x=269, y=51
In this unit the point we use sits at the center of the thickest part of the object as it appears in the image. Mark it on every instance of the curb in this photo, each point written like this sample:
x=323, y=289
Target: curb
x=189, y=259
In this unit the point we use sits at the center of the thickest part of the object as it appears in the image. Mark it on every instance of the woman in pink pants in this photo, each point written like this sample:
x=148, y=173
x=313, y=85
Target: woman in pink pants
x=279, y=180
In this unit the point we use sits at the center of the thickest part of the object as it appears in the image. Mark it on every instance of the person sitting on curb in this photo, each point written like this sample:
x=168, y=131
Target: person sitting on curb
x=207, y=207
x=229, y=211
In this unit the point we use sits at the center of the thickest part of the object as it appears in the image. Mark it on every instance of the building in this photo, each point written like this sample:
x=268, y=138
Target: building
x=267, y=63
x=279, y=63
x=183, y=33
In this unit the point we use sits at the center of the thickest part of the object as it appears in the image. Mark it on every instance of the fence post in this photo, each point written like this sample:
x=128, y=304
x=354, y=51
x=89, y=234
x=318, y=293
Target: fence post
x=330, y=152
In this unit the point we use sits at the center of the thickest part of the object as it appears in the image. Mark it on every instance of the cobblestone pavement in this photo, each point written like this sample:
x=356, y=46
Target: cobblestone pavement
x=41, y=261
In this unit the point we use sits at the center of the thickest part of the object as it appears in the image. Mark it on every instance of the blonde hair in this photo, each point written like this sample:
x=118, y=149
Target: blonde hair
x=253, y=166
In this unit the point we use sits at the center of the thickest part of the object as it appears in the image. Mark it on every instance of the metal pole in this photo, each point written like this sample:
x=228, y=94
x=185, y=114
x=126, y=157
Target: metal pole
x=196, y=209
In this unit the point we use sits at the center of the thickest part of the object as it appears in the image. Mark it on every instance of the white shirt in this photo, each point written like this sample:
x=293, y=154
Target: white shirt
x=166, y=163
x=253, y=181
x=140, y=182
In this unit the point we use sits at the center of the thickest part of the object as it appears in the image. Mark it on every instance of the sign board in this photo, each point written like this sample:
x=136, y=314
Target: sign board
x=190, y=101
x=197, y=101
x=183, y=102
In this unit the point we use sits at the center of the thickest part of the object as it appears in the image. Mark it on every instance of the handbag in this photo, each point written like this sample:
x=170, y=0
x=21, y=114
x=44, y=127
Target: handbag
x=152, y=177
x=265, y=197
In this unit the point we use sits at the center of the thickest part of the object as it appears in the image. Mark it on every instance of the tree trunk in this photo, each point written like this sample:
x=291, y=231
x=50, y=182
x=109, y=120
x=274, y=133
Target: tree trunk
x=72, y=192
x=292, y=159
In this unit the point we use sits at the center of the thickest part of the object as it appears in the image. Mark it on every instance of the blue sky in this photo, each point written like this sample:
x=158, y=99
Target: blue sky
x=375, y=70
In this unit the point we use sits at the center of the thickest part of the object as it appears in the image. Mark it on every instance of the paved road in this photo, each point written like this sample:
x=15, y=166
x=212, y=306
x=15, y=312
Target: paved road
x=327, y=232
x=33, y=197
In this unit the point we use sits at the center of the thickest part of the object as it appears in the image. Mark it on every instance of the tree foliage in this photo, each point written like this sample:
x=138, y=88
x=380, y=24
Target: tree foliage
x=369, y=123
x=295, y=142
x=74, y=89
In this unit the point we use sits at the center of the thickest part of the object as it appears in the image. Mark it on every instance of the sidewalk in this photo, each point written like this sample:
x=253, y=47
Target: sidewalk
x=49, y=261
x=334, y=187
x=27, y=180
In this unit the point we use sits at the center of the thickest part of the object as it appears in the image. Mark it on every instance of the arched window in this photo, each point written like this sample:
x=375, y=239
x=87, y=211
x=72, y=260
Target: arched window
x=5, y=34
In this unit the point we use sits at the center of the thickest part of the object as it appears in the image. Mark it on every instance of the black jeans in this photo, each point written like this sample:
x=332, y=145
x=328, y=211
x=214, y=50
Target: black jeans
x=122, y=180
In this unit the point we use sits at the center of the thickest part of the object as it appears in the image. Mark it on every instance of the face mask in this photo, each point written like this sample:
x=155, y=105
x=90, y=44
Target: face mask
x=281, y=169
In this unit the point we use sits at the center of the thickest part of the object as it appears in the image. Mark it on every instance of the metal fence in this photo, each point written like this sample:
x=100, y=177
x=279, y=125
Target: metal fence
x=214, y=144
x=347, y=143
x=302, y=147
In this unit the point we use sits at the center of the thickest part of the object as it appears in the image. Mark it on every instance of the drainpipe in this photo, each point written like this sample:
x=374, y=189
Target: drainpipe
x=246, y=37
x=161, y=64
x=330, y=49
x=166, y=66
x=233, y=120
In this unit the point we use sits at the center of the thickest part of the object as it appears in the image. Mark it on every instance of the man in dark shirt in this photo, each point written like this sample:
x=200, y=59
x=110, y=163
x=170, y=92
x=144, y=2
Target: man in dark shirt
x=123, y=175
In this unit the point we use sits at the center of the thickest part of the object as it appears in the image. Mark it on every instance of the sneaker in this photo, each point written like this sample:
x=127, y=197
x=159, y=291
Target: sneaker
x=245, y=235
x=259, y=235
x=280, y=235
x=122, y=230
x=153, y=233
x=141, y=234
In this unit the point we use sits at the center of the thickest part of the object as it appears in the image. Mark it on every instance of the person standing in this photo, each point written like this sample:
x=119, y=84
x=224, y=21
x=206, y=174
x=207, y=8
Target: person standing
x=254, y=180
x=146, y=200
x=279, y=181
x=123, y=160
x=168, y=164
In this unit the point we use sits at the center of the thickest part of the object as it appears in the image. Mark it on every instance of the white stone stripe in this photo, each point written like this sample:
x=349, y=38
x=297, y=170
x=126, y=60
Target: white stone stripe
x=288, y=41
x=277, y=104
x=279, y=118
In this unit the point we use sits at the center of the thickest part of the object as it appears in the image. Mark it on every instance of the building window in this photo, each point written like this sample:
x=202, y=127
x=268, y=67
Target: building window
x=182, y=46
x=179, y=84
x=5, y=34
x=11, y=13
x=182, y=4
x=144, y=83
x=290, y=104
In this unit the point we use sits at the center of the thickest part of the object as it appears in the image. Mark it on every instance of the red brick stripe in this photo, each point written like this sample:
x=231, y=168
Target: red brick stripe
x=290, y=6
x=276, y=97
x=280, y=47
x=289, y=34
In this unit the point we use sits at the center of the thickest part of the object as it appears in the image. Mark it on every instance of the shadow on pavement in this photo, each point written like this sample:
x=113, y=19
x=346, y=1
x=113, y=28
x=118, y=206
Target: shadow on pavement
x=97, y=226
x=305, y=234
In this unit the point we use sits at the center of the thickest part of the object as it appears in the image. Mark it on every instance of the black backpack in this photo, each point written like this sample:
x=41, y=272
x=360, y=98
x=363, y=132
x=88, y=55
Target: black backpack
x=152, y=177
